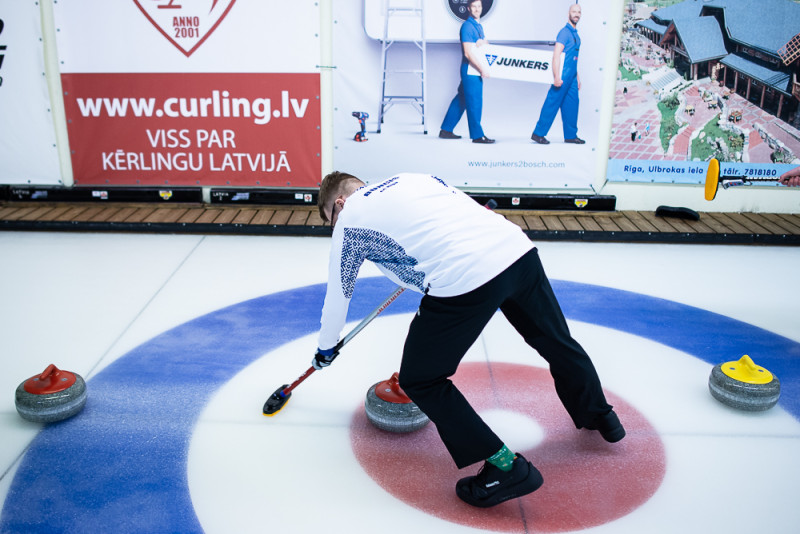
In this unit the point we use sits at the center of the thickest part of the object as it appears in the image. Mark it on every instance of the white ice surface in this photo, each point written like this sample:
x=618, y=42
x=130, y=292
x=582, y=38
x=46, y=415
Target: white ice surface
x=83, y=300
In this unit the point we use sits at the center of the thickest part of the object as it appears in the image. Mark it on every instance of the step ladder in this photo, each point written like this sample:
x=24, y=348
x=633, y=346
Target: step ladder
x=406, y=20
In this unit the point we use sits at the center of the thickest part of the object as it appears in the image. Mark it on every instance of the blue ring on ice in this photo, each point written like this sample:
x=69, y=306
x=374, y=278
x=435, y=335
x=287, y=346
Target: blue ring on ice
x=105, y=471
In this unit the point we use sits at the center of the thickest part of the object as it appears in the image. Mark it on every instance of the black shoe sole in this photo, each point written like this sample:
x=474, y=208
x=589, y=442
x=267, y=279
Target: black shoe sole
x=533, y=482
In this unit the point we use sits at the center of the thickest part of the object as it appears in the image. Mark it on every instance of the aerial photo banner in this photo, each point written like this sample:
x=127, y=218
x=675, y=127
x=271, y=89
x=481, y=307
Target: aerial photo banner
x=701, y=80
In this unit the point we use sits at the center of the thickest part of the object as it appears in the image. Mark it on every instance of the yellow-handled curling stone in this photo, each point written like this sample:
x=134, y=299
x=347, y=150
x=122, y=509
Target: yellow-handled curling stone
x=744, y=385
x=51, y=396
x=390, y=409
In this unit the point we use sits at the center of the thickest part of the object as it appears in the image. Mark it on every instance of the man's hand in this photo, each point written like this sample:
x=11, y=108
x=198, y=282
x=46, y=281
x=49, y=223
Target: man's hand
x=323, y=358
x=791, y=177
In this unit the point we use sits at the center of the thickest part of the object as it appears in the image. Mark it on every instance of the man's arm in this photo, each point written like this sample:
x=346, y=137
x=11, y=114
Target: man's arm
x=557, y=51
x=337, y=301
x=469, y=49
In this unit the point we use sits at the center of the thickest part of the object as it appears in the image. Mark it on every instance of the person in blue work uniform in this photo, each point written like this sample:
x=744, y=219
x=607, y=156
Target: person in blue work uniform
x=563, y=94
x=470, y=91
x=467, y=262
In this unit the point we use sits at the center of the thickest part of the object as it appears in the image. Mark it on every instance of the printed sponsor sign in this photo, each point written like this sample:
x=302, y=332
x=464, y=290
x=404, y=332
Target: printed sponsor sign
x=515, y=63
x=191, y=92
x=193, y=128
x=433, y=127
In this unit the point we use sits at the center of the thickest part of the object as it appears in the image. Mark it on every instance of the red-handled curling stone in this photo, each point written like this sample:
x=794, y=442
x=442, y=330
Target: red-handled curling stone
x=390, y=409
x=51, y=396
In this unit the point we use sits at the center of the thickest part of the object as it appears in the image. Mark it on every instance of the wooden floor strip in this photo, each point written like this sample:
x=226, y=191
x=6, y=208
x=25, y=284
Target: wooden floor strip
x=281, y=217
x=244, y=216
x=765, y=223
x=190, y=216
x=298, y=218
x=748, y=223
x=790, y=222
x=571, y=224
x=262, y=216
x=729, y=226
x=139, y=215
x=622, y=226
x=208, y=216
x=104, y=214
x=553, y=223
x=533, y=222
x=314, y=219
x=639, y=221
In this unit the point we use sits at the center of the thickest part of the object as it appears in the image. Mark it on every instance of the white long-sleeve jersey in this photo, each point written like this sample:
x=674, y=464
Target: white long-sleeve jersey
x=423, y=235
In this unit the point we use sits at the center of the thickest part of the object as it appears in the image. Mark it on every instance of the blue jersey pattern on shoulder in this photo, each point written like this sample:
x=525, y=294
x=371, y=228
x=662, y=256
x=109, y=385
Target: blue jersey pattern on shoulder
x=363, y=244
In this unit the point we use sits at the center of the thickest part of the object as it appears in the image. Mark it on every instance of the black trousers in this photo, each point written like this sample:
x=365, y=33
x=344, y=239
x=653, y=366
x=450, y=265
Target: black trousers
x=445, y=328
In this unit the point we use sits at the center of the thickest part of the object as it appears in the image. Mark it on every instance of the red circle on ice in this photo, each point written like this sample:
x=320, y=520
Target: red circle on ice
x=587, y=482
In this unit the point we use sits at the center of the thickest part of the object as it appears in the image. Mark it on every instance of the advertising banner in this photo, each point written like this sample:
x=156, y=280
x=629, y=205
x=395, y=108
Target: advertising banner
x=732, y=95
x=28, y=153
x=397, y=74
x=236, y=129
x=192, y=92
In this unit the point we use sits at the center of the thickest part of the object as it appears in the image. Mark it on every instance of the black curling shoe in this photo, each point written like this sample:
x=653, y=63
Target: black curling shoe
x=609, y=427
x=492, y=485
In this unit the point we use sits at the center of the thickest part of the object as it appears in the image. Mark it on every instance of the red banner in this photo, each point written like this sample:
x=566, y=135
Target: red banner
x=239, y=129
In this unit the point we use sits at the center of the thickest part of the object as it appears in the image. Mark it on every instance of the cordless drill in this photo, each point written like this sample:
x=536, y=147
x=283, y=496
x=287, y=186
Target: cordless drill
x=362, y=117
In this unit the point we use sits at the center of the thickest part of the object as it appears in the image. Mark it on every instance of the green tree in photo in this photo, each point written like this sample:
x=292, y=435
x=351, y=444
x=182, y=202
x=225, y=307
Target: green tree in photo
x=669, y=128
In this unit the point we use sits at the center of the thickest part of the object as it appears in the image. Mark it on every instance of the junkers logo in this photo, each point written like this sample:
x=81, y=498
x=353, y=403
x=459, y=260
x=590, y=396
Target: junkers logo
x=518, y=63
x=185, y=23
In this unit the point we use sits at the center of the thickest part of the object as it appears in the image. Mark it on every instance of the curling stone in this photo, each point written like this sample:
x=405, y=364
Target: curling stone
x=51, y=396
x=390, y=409
x=744, y=385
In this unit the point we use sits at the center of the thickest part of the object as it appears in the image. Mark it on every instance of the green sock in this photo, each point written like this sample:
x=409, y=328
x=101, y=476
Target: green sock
x=503, y=459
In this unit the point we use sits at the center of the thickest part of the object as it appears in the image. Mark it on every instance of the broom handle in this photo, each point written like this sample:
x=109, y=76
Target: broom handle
x=374, y=313
x=346, y=339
